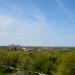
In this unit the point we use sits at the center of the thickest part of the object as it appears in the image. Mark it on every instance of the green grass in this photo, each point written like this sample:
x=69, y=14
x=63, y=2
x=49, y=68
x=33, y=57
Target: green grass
x=1, y=73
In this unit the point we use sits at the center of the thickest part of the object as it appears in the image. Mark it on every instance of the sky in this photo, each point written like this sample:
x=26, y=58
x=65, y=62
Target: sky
x=37, y=22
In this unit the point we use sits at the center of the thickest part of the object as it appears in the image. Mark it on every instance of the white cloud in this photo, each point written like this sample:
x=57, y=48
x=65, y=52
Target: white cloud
x=32, y=30
x=3, y=34
x=67, y=12
x=4, y=21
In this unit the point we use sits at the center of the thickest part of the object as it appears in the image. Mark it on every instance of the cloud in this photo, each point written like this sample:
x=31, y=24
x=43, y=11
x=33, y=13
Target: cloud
x=28, y=26
x=67, y=12
x=33, y=19
x=28, y=30
x=4, y=21
x=3, y=34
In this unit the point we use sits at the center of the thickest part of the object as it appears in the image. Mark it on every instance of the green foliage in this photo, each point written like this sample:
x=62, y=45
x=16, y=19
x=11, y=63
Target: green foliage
x=67, y=65
x=51, y=63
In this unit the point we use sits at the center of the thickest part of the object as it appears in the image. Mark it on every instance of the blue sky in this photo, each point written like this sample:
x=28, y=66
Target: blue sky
x=37, y=22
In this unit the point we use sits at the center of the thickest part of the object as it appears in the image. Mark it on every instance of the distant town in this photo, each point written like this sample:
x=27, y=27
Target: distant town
x=15, y=47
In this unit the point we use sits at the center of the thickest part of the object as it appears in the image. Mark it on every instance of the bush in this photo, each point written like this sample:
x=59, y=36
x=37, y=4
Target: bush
x=67, y=65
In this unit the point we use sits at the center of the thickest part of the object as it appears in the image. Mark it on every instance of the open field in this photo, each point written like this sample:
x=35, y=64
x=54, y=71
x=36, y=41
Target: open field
x=19, y=62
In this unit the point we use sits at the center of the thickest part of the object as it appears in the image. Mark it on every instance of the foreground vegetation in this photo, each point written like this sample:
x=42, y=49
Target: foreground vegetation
x=31, y=63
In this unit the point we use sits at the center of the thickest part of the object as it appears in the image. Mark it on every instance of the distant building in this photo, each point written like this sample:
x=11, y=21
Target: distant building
x=14, y=47
x=24, y=49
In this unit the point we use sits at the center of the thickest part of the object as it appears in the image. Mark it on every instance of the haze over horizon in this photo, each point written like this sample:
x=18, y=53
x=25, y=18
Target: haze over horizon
x=37, y=22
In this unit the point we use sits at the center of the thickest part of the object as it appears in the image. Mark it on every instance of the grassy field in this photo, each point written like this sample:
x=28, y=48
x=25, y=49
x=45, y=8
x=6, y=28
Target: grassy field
x=19, y=62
